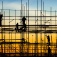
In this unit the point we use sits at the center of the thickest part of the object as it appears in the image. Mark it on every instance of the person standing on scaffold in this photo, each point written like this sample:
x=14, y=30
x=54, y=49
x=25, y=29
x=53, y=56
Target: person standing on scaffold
x=17, y=28
x=1, y=15
x=23, y=28
x=48, y=38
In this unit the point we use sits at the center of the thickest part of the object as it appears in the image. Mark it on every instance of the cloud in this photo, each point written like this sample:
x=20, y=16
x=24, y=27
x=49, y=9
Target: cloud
x=12, y=6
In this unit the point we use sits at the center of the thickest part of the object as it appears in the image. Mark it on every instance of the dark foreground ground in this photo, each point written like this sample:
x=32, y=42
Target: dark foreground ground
x=9, y=55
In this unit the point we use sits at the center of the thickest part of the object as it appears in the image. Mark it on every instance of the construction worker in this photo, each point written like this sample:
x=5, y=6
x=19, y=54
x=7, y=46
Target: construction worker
x=17, y=29
x=23, y=20
x=1, y=19
x=48, y=38
x=23, y=28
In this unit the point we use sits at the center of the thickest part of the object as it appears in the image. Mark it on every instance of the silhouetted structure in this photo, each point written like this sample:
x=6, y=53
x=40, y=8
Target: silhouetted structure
x=20, y=43
x=49, y=52
x=48, y=38
x=1, y=19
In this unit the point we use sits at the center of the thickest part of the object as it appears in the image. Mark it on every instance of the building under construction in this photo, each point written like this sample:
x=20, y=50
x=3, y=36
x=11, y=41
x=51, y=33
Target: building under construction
x=28, y=32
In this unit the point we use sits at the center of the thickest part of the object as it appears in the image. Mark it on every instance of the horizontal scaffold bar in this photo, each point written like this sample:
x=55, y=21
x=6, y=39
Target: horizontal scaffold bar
x=30, y=16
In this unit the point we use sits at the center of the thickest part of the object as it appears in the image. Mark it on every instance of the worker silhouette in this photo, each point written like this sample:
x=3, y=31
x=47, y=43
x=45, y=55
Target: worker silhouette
x=1, y=19
x=23, y=28
x=23, y=20
x=17, y=29
x=48, y=38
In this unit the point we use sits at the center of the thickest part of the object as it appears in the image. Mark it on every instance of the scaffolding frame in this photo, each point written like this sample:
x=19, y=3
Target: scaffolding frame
x=25, y=47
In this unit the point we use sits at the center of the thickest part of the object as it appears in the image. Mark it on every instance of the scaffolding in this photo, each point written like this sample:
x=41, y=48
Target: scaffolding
x=38, y=37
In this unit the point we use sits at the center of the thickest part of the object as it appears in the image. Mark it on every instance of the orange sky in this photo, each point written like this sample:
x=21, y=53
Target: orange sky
x=32, y=37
